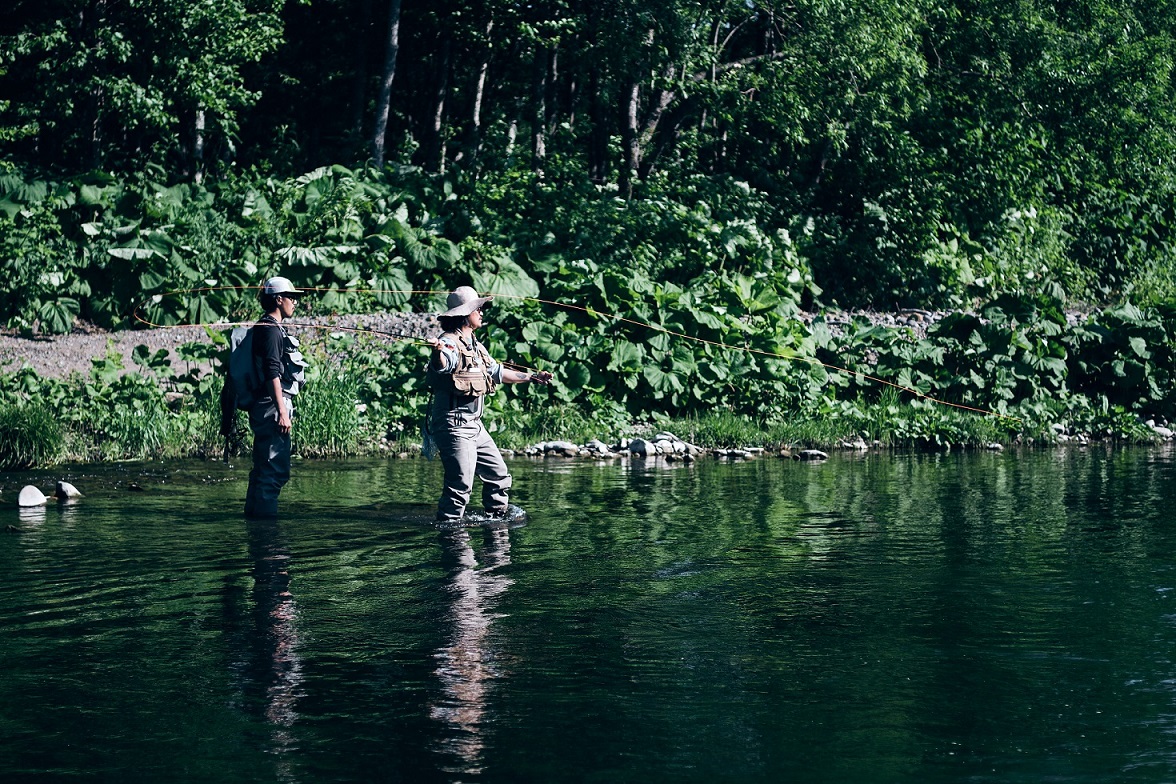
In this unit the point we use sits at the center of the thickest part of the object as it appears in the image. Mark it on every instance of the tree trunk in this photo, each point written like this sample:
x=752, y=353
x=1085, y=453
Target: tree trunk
x=89, y=20
x=359, y=81
x=598, y=138
x=437, y=124
x=473, y=139
x=384, y=102
x=551, y=103
x=198, y=147
x=629, y=139
x=539, y=108
x=512, y=136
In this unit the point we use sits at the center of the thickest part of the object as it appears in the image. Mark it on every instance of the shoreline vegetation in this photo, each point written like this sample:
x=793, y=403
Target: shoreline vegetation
x=366, y=395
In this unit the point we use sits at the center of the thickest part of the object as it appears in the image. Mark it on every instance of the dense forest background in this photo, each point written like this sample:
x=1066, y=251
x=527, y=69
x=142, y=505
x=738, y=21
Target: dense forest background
x=910, y=148
x=707, y=168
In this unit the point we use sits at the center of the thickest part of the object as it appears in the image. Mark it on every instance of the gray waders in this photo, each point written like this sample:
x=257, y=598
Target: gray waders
x=468, y=451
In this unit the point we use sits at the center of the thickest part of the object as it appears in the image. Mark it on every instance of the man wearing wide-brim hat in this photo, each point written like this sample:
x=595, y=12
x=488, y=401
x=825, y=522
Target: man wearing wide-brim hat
x=461, y=374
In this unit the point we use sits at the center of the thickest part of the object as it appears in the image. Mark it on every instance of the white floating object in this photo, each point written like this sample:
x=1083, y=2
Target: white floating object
x=31, y=496
x=66, y=491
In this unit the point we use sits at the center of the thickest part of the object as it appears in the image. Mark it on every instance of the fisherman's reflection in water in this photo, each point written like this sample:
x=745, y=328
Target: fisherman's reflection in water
x=271, y=667
x=467, y=665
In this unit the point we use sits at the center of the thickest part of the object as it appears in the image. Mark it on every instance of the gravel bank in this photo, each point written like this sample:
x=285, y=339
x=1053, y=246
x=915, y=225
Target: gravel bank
x=59, y=355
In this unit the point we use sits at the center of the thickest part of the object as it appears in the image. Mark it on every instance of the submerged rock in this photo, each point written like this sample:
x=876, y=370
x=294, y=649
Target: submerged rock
x=641, y=448
x=66, y=491
x=561, y=447
x=813, y=455
x=31, y=496
x=598, y=446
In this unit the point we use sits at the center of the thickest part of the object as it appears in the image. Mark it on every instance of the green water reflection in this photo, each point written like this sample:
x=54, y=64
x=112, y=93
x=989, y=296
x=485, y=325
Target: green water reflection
x=941, y=618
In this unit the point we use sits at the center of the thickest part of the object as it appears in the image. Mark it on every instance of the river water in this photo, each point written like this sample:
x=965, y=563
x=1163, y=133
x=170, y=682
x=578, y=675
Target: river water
x=886, y=618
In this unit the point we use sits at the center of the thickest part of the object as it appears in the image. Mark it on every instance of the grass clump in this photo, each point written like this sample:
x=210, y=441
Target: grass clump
x=29, y=436
x=328, y=420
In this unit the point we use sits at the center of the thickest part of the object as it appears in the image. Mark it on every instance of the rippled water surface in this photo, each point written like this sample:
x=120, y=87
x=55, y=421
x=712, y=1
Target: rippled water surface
x=930, y=618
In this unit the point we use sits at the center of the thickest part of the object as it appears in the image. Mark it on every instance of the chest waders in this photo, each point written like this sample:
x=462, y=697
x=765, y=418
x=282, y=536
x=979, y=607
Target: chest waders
x=467, y=450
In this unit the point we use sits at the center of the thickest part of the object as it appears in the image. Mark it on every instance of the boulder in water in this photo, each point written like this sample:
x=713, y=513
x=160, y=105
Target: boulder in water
x=66, y=491
x=31, y=496
x=640, y=448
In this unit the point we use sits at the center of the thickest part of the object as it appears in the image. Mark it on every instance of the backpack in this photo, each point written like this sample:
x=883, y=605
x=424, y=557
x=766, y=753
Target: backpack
x=242, y=374
x=239, y=392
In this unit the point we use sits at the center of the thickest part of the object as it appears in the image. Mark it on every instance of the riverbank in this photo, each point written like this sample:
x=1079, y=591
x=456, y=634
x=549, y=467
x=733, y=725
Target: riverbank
x=94, y=396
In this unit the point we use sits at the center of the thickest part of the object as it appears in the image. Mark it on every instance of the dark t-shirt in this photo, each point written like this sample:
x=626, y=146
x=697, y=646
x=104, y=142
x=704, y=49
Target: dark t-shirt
x=267, y=350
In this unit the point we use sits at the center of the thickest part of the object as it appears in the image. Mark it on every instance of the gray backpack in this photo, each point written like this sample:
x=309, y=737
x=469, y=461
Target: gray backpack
x=242, y=372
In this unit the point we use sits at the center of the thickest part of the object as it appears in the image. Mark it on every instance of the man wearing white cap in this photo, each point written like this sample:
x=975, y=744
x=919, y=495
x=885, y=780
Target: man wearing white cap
x=280, y=369
x=461, y=374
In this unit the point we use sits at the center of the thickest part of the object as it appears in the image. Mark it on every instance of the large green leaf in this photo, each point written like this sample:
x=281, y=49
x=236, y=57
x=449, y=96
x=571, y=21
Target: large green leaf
x=626, y=356
x=505, y=278
x=57, y=316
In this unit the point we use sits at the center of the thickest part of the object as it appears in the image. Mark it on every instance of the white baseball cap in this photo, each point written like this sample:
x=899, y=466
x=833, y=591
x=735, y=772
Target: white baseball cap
x=280, y=286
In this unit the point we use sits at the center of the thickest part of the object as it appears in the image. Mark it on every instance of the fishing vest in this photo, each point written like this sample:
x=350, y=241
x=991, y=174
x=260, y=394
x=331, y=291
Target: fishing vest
x=294, y=365
x=471, y=378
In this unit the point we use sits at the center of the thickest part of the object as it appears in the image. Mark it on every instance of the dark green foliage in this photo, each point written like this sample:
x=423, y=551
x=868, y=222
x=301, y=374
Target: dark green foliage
x=919, y=153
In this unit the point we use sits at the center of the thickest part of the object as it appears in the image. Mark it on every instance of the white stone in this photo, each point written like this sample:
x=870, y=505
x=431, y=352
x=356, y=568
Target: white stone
x=813, y=454
x=995, y=447
x=1163, y=432
x=31, y=496
x=664, y=436
x=560, y=446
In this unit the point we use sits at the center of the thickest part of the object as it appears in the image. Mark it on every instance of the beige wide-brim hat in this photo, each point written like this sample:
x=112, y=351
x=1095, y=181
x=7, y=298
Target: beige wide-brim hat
x=463, y=301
